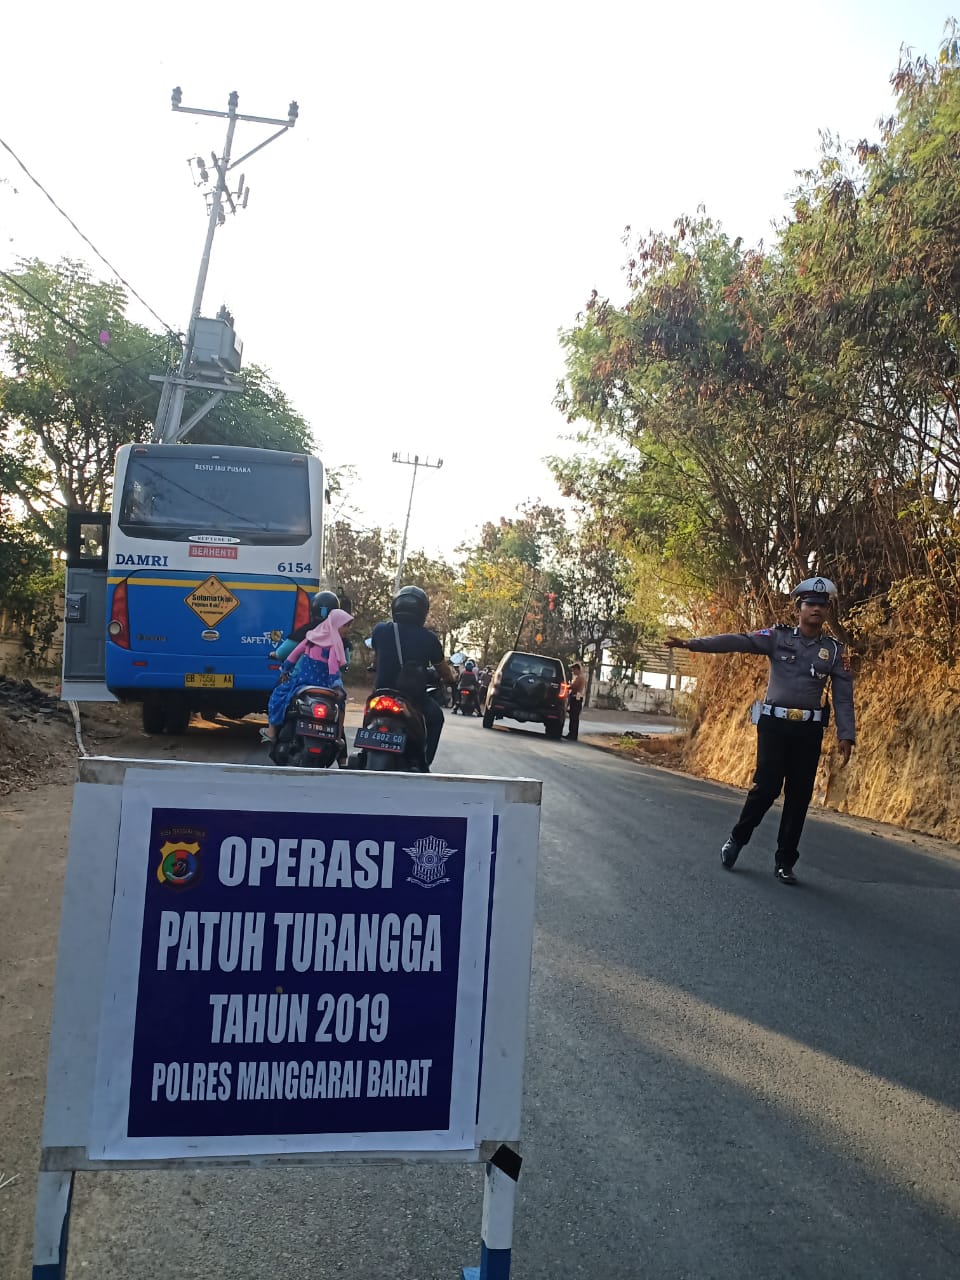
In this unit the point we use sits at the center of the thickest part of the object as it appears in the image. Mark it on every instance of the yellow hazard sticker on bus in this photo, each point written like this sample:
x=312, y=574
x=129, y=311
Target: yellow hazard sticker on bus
x=212, y=601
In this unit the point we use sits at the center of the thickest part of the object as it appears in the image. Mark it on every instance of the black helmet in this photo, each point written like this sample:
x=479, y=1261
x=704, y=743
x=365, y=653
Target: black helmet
x=410, y=604
x=322, y=603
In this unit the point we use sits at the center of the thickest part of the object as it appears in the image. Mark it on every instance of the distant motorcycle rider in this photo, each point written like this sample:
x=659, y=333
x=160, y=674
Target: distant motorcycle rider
x=404, y=649
x=470, y=681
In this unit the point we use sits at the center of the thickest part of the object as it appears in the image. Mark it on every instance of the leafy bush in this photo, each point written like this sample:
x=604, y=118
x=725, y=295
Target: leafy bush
x=31, y=582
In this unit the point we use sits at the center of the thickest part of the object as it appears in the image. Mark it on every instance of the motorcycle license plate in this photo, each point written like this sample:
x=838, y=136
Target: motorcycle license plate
x=316, y=729
x=380, y=741
x=206, y=680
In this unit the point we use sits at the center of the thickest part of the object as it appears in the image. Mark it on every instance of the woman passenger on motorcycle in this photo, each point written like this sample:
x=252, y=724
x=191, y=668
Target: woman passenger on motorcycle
x=316, y=660
x=320, y=607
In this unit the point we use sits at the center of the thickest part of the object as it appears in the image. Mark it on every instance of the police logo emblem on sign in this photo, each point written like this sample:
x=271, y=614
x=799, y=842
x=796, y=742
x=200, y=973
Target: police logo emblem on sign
x=179, y=863
x=429, y=855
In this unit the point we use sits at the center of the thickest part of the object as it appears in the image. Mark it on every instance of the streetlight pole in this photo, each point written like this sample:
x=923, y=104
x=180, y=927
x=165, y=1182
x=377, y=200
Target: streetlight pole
x=414, y=462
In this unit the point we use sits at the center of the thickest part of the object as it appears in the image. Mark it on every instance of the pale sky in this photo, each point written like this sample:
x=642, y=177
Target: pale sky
x=457, y=183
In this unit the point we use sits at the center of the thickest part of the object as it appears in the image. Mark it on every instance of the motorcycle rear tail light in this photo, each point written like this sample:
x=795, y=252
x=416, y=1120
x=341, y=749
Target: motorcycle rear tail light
x=119, y=625
x=384, y=702
x=320, y=711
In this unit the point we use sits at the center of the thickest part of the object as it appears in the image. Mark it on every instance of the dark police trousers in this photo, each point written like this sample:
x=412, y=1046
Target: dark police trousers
x=574, y=707
x=788, y=753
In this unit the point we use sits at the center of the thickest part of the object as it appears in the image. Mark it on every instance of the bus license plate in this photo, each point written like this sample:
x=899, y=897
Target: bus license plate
x=206, y=680
x=380, y=741
x=310, y=729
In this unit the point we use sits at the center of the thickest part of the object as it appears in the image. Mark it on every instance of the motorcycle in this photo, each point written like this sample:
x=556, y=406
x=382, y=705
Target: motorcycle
x=437, y=690
x=393, y=735
x=312, y=734
x=466, y=702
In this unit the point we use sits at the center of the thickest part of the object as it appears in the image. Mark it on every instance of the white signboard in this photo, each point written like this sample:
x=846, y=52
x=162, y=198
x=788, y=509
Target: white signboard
x=259, y=963
x=293, y=974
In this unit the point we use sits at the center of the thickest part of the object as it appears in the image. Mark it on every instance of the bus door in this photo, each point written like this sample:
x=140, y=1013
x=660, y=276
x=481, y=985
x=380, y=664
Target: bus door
x=85, y=614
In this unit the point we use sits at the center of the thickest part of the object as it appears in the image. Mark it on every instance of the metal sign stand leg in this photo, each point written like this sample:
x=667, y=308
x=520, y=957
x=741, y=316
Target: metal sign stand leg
x=496, y=1235
x=52, y=1225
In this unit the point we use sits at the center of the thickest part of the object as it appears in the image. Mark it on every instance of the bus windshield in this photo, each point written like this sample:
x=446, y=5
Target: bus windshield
x=173, y=498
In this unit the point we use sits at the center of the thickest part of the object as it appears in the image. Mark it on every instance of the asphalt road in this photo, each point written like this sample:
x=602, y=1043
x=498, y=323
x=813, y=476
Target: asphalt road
x=726, y=1077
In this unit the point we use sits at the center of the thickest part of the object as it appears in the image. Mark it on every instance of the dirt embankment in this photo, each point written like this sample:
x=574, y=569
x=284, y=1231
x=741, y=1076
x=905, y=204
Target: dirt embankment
x=37, y=740
x=905, y=769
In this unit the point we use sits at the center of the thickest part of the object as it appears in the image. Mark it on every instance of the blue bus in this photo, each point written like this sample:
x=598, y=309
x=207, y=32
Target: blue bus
x=214, y=553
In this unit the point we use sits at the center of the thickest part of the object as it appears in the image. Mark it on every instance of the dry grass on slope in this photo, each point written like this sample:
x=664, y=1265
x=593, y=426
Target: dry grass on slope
x=905, y=769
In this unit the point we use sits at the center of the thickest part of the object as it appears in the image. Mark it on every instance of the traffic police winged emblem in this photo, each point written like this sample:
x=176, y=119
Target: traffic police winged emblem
x=429, y=854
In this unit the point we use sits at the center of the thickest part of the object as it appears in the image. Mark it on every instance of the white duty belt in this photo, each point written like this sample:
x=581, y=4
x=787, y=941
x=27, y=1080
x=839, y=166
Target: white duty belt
x=790, y=713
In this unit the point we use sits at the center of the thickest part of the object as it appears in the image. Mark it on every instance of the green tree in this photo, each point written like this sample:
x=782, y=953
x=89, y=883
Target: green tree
x=261, y=416
x=29, y=582
x=449, y=611
x=760, y=412
x=73, y=389
x=595, y=595
x=362, y=560
x=365, y=567
x=506, y=576
x=75, y=385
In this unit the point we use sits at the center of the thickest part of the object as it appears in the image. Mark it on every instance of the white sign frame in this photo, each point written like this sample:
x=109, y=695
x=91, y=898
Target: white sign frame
x=69, y=1140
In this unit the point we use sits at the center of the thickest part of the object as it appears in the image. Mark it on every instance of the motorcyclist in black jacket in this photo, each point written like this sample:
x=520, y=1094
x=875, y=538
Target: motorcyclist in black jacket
x=420, y=648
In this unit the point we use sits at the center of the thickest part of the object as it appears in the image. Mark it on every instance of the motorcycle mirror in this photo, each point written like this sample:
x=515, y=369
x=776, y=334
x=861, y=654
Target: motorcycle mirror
x=368, y=642
x=456, y=659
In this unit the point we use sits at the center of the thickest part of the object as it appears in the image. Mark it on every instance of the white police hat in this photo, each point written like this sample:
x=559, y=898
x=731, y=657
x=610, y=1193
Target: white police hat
x=813, y=587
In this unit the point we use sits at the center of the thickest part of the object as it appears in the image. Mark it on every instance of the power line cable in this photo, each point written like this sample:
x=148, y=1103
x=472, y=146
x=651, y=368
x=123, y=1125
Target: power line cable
x=126, y=284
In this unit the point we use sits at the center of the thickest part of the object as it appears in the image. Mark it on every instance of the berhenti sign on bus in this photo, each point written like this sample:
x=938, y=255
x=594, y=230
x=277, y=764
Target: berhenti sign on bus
x=293, y=980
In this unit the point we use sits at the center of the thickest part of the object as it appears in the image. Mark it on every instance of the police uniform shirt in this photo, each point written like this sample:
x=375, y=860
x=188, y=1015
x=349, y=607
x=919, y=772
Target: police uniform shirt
x=799, y=669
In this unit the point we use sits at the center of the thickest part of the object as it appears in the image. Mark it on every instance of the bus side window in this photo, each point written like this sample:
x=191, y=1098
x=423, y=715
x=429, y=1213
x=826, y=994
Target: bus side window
x=87, y=539
x=91, y=542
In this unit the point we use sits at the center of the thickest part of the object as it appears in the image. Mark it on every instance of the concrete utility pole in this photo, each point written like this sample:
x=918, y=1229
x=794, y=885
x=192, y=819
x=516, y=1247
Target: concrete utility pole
x=414, y=462
x=175, y=386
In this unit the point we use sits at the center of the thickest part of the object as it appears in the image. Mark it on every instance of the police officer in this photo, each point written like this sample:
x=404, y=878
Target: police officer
x=578, y=686
x=791, y=718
